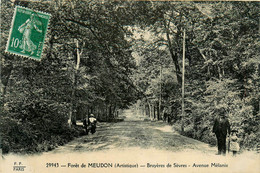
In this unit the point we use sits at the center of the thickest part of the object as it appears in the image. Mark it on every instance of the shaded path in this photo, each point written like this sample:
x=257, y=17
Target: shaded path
x=134, y=133
x=137, y=142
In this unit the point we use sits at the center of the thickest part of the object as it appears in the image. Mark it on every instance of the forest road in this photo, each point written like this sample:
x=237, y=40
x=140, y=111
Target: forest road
x=135, y=145
x=135, y=131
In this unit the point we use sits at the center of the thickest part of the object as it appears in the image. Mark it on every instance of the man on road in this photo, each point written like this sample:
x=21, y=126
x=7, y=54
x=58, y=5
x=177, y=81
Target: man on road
x=92, y=120
x=221, y=128
x=90, y=123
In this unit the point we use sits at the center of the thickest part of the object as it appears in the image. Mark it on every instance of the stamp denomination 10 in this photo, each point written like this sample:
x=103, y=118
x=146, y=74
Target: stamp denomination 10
x=27, y=33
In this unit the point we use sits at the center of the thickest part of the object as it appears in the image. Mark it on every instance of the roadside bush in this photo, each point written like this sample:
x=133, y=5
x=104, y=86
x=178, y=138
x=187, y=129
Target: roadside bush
x=241, y=114
x=36, y=134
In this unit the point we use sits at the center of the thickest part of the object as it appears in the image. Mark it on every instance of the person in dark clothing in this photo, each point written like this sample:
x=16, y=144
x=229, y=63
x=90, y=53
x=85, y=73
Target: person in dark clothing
x=85, y=123
x=221, y=128
x=90, y=123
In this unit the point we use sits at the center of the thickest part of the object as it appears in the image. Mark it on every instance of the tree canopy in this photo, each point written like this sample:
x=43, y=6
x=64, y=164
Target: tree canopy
x=102, y=56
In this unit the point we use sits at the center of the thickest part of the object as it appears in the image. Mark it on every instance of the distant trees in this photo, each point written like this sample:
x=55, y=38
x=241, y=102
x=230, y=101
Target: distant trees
x=222, y=67
x=85, y=69
x=89, y=66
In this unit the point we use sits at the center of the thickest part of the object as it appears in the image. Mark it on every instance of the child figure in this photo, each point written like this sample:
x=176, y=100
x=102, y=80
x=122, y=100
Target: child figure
x=234, y=145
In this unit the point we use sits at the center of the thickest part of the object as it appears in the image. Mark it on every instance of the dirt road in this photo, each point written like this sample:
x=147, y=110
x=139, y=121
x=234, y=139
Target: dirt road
x=134, y=145
x=135, y=132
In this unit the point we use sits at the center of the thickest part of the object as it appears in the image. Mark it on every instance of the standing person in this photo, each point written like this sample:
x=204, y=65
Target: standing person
x=221, y=128
x=234, y=145
x=92, y=121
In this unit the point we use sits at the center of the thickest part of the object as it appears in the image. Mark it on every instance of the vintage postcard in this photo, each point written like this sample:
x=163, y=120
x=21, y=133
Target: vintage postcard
x=129, y=86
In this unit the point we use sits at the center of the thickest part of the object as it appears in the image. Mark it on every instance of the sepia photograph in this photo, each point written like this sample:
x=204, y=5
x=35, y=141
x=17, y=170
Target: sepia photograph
x=129, y=86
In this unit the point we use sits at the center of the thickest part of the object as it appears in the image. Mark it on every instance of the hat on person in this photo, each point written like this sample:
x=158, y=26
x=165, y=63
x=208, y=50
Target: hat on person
x=91, y=115
x=222, y=112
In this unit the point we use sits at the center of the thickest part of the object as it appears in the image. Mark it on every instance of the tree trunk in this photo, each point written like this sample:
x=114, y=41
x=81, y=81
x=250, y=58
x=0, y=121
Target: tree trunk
x=158, y=111
x=74, y=83
x=4, y=83
x=70, y=121
x=149, y=110
x=154, y=111
x=183, y=73
x=115, y=111
x=106, y=112
x=174, y=56
x=110, y=112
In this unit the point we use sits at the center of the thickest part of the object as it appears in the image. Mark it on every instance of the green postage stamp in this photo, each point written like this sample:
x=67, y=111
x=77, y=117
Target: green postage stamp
x=27, y=34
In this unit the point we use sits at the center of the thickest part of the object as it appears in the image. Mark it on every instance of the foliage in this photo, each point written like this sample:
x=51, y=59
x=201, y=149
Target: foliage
x=89, y=66
x=222, y=70
x=38, y=98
